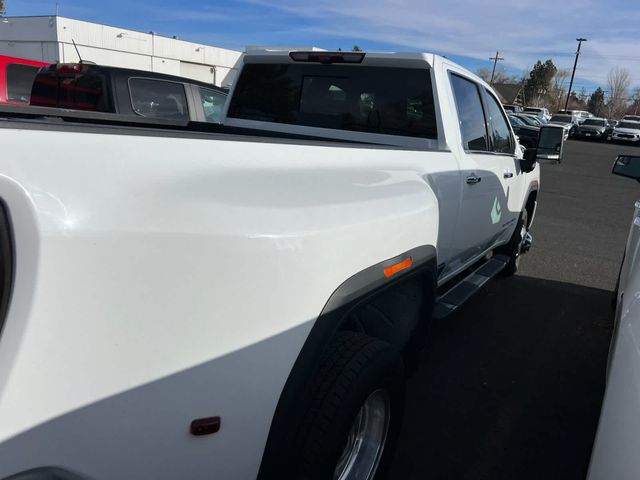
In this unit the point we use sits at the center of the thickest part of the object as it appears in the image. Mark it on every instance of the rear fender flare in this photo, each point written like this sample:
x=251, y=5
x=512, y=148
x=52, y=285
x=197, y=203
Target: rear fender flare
x=356, y=290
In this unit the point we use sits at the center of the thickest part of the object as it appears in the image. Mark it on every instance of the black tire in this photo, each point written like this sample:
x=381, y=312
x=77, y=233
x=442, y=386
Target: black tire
x=514, y=247
x=354, y=366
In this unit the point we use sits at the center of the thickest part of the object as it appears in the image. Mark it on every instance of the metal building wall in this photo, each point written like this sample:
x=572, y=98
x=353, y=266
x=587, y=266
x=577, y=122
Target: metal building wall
x=29, y=37
x=51, y=39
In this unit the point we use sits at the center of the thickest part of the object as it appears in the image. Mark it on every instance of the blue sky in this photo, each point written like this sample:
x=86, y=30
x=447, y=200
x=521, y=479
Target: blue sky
x=465, y=30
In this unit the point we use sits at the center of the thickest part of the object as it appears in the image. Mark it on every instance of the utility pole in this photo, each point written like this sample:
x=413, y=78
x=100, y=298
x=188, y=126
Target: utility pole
x=573, y=74
x=495, y=61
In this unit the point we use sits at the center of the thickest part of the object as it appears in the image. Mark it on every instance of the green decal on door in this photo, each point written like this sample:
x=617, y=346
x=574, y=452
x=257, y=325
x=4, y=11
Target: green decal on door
x=496, y=212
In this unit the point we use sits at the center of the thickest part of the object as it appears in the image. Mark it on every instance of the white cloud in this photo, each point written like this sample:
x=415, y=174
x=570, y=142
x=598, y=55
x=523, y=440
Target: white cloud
x=524, y=31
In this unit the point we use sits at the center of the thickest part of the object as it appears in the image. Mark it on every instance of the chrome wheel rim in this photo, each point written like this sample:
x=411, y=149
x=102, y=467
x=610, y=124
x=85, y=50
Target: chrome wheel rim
x=366, y=439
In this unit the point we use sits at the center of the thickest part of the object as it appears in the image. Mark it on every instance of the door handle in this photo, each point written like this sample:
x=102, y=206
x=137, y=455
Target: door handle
x=508, y=175
x=473, y=179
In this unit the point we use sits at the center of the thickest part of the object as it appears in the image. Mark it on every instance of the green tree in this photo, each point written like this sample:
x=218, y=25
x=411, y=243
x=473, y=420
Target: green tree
x=539, y=82
x=596, y=102
x=355, y=48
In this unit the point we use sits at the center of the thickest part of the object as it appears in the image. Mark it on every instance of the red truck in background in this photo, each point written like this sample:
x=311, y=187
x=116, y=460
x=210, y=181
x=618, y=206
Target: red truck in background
x=16, y=78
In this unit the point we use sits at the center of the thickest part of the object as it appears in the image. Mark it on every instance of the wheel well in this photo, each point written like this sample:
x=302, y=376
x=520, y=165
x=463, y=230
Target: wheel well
x=396, y=314
x=530, y=206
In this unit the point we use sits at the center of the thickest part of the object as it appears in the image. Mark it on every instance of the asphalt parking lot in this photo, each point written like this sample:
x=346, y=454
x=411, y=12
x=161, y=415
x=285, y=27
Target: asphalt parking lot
x=510, y=387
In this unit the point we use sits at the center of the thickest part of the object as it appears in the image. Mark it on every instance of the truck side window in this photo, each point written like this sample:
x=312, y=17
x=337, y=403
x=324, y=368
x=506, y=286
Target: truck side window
x=19, y=81
x=158, y=98
x=390, y=101
x=500, y=133
x=470, y=114
x=212, y=104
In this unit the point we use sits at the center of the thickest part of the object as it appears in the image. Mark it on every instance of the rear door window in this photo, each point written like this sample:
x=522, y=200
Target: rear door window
x=158, y=98
x=470, y=114
x=391, y=101
x=19, y=82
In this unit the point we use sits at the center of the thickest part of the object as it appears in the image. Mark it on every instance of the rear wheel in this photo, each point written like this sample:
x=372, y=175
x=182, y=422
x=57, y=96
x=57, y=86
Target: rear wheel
x=350, y=430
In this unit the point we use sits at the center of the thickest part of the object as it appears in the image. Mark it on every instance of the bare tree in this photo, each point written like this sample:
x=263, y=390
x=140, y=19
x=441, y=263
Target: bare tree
x=557, y=92
x=618, y=81
x=634, y=108
x=1, y=7
x=501, y=75
x=583, y=96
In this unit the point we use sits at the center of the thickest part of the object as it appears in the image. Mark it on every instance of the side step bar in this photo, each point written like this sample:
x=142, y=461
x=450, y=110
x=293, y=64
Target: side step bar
x=463, y=291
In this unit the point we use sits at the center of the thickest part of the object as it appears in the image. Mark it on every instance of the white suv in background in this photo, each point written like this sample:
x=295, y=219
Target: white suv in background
x=626, y=131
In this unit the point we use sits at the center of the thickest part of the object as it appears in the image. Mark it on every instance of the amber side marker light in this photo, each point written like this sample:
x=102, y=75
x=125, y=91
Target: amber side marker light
x=391, y=270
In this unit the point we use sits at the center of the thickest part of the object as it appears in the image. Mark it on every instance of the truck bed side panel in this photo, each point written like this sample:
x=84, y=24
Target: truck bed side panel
x=160, y=280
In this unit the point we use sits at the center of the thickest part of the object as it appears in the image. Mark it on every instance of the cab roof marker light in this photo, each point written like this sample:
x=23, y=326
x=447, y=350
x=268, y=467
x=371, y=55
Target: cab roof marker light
x=327, y=57
x=391, y=270
x=69, y=67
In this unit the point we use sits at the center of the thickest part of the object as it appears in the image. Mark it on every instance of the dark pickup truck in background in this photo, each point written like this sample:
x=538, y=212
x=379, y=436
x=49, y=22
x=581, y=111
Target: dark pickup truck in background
x=127, y=92
x=527, y=134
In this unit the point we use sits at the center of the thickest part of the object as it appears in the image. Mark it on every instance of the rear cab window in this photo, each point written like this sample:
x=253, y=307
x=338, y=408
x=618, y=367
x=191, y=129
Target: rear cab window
x=20, y=81
x=369, y=99
x=70, y=89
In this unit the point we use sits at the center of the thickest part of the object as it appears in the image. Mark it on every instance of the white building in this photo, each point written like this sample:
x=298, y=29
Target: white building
x=50, y=38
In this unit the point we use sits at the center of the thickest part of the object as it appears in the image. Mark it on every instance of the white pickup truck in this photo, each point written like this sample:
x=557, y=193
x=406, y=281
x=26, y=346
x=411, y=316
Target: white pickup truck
x=243, y=302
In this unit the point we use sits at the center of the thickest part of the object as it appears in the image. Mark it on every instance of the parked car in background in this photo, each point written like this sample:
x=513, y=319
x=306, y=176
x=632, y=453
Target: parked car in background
x=615, y=449
x=594, y=128
x=526, y=119
x=513, y=108
x=16, y=78
x=626, y=131
x=580, y=115
x=538, y=120
x=632, y=118
x=538, y=111
x=123, y=91
x=568, y=122
x=527, y=134
x=531, y=119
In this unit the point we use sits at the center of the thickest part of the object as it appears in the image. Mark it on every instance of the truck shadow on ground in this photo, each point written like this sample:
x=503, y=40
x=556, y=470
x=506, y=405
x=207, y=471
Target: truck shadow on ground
x=509, y=387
